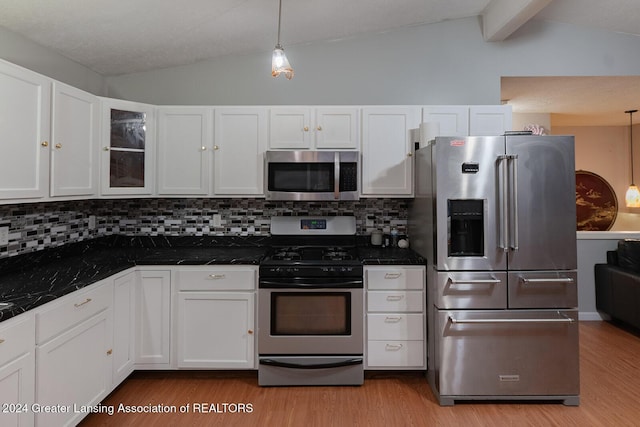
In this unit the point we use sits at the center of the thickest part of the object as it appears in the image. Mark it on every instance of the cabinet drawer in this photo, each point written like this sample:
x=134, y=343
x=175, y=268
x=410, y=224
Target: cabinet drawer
x=395, y=301
x=395, y=326
x=72, y=309
x=397, y=354
x=507, y=352
x=16, y=338
x=395, y=277
x=214, y=279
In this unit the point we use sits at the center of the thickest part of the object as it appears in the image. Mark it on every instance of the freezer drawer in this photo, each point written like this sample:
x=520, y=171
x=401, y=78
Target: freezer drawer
x=550, y=289
x=507, y=353
x=460, y=290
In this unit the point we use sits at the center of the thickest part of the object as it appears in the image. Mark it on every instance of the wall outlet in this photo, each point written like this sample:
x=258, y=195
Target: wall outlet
x=4, y=235
x=92, y=222
x=217, y=220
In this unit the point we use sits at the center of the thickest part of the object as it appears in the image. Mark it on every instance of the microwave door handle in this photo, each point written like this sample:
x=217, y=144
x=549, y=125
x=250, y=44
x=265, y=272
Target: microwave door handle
x=336, y=176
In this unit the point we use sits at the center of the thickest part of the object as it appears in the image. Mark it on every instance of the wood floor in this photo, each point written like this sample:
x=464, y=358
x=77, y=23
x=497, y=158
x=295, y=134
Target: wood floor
x=609, y=377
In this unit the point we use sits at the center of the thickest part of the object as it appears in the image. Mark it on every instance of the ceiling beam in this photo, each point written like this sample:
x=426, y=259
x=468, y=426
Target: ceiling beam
x=502, y=17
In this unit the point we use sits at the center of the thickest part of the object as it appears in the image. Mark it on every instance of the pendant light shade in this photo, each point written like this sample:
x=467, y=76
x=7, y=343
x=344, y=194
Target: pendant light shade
x=279, y=62
x=632, y=197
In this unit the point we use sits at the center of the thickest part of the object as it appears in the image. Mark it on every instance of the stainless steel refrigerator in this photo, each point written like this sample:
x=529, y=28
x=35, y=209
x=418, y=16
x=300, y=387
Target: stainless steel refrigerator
x=495, y=217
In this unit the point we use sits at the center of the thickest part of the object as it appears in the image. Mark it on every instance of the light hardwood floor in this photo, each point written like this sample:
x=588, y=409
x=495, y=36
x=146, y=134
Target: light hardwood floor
x=609, y=377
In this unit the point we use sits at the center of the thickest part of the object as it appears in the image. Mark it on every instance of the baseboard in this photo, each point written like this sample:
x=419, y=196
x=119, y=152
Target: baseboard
x=591, y=315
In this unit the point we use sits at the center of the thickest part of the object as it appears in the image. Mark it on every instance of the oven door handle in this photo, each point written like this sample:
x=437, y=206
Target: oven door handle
x=348, y=362
x=270, y=284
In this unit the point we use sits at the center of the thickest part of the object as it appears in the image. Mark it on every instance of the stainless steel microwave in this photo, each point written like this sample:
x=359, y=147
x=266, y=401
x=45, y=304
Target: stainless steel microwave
x=312, y=175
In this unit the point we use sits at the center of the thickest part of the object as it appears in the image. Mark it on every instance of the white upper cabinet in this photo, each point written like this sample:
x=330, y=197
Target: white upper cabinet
x=128, y=141
x=240, y=142
x=465, y=120
x=304, y=128
x=25, y=103
x=185, y=136
x=74, y=142
x=387, y=151
x=290, y=128
x=336, y=128
x=488, y=120
x=452, y=120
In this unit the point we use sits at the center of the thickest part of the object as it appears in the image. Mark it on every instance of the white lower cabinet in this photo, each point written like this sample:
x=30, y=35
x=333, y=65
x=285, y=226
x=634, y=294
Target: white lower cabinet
x=17, y=371
x=153, y=319
x=73, y=354
x=215, y=317
x=124, y=310
x=395, y=318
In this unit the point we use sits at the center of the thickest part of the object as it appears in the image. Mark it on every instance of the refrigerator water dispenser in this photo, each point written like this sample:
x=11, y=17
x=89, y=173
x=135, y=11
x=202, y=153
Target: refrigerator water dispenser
x=466, y=228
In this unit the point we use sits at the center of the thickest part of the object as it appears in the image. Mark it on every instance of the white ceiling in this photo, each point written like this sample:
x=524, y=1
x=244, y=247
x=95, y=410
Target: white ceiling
x=125, y=36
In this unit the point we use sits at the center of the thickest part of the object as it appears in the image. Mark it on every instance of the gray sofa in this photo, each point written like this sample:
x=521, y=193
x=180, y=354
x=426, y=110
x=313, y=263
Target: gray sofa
x=618, y=283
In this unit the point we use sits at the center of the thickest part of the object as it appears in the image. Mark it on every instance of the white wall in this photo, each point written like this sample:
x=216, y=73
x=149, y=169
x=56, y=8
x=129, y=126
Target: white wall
x=20, y=51
x=443, y=63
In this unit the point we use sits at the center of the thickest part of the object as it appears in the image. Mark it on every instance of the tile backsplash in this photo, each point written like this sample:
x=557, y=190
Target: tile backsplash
x=39, y=226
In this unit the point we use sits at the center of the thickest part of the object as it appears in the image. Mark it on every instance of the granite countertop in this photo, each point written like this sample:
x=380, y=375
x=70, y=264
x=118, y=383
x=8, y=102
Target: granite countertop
x=30, y=280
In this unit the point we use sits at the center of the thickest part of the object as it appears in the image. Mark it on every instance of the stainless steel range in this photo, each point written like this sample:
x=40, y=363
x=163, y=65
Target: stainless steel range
x=310, y=304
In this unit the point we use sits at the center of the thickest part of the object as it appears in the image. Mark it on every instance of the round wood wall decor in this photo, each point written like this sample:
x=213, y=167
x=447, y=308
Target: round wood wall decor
x=596, y=202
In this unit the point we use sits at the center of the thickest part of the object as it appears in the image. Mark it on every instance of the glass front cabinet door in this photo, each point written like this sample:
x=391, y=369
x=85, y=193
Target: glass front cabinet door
x=127, y=153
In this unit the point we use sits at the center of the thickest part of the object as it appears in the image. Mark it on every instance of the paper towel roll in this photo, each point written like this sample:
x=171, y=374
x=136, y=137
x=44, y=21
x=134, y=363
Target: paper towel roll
x=428, y=131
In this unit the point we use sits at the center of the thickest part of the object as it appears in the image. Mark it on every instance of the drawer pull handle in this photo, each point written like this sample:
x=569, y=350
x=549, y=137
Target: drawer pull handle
x=393, y=347
x=488, y=321
x=217, y=276
x=567, y=280
x=392, y=275
x=474, y=282
x=76, y=305
x=395, y=297
x=394, y=319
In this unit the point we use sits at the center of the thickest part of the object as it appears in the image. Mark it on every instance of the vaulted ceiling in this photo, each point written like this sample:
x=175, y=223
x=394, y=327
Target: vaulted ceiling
x=124, y=36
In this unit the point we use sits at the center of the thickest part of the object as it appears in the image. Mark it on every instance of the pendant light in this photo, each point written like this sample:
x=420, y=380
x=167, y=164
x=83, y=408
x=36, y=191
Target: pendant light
x=279, y=61
x=632, y=198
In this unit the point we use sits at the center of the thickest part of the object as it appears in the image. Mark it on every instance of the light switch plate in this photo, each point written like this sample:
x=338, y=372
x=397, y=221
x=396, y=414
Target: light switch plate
x=217, y=220
x=92, y=222
x=4, y=235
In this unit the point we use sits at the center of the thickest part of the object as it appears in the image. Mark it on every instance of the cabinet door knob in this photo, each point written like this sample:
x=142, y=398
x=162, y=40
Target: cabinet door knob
x=319, y=128
x=203, y=148
x=106, y=148
x=45, y=143
x=306, y=128
x=215, y=147
x=110, y=351
x=409, y=154
x=58, y=146
x=250, y=332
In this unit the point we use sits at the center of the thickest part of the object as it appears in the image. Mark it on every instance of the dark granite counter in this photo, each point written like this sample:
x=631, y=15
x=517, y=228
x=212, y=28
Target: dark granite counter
x=376, y=255
x=31, y=280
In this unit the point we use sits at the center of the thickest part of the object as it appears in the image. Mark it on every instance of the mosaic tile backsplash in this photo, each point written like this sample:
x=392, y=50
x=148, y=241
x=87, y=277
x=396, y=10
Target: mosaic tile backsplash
x=39, y=226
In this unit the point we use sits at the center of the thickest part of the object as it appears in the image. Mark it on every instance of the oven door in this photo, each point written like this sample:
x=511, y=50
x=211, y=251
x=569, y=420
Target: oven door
x=310, y=319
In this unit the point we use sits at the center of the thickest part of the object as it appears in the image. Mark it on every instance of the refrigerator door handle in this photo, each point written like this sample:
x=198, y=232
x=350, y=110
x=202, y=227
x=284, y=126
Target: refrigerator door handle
x=514, y=240
x=503, y=195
